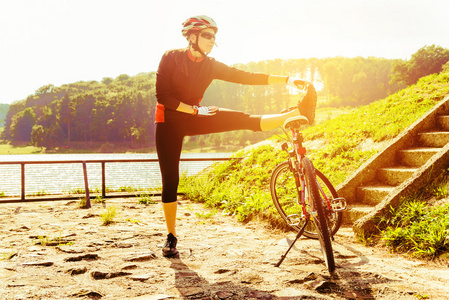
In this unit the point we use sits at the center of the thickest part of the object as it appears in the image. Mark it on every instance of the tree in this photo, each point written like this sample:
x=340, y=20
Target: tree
x=107, y=80
x=45, y=89
x=446, y=66
x=22, y=125
x=427, y=60
x=66, y=110
x=37, y=136
x=122, y=77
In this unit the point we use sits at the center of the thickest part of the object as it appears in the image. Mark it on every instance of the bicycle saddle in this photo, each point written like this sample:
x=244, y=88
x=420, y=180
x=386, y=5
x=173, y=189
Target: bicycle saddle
x=295, y=122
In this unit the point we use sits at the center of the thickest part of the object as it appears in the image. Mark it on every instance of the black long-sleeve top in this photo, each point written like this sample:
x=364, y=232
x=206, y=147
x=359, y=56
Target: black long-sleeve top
x=184, y=78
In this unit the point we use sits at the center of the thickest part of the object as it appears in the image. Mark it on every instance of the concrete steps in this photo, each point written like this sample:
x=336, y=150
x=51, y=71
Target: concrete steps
x=382, y=179
x=434, y=139
x=395, y=175
x=416, y=157
x=354, y=212
x=373, y=194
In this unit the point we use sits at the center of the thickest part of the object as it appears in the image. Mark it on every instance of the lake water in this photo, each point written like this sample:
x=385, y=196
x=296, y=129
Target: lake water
x=63, y=178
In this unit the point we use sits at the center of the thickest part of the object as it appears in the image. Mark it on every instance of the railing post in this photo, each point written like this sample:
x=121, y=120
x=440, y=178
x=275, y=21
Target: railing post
x=103, y=180
x=86, y=185
x=23, y=181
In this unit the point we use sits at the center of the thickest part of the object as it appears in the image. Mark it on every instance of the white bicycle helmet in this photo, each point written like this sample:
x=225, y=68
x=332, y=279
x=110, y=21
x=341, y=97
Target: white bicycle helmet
x=196, y=24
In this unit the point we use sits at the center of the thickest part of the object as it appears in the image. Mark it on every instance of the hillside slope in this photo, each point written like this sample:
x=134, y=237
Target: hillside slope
x=241, y=187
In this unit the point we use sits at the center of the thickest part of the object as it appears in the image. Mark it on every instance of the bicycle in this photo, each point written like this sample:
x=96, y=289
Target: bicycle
x=302, y=193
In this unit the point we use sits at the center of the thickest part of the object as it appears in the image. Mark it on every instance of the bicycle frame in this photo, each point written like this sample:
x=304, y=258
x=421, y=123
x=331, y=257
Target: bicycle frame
x=296, y=155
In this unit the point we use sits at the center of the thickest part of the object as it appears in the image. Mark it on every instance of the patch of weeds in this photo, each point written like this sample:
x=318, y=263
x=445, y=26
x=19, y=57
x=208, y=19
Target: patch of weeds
x=419, y=296
x=8, y=255
x=47, y=241
x=2, y=194
x=108, y=216
x=146, y=198
x=38, y=194
x=126, y=188
x=206, y=215
x=60, y=242
x=99, y=199
x=365, y=240
x=44, y=240
x=77, y=191
x=82, y=203
x=132, y=220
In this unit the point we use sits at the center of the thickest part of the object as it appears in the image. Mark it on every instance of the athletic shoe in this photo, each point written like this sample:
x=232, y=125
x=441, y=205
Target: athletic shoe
x=169, y=249
x=307, y=105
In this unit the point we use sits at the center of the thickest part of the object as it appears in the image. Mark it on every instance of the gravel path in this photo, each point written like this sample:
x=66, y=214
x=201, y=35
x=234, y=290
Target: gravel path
x=55, y=250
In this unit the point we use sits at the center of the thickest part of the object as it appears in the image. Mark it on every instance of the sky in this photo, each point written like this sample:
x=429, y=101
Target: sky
x=64, y=41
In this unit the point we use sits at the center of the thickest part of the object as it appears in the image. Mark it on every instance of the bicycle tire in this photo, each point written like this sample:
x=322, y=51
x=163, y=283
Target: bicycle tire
x=335, y=218
x=320, y=219
x=285, y=198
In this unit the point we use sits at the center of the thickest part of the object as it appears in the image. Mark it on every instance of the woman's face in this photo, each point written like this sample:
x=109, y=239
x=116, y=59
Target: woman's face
x=206, y=40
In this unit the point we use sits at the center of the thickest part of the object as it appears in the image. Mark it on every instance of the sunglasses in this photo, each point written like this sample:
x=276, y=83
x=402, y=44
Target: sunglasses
x=208, y=35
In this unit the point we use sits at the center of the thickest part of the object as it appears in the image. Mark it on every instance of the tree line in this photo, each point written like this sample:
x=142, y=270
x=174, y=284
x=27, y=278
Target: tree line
x=121, y=110
x=3, y=111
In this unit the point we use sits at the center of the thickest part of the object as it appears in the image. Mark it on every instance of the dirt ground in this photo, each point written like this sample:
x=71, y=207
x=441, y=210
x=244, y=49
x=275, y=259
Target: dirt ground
x=55, y=250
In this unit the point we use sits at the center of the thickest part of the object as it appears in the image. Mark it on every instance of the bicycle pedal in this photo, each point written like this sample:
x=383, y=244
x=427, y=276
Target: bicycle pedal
x=338, y=204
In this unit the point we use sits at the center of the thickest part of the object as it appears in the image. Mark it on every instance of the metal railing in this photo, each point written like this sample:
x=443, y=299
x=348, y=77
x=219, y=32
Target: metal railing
x=103, y=162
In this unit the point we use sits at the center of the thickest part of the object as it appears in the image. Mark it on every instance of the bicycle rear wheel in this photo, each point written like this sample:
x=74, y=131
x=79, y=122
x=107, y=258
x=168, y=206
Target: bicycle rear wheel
x=319, y=218
x=285, y=198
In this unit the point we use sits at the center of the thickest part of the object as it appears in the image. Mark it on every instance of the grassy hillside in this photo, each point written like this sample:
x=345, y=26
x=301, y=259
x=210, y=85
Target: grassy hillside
x=242, y=188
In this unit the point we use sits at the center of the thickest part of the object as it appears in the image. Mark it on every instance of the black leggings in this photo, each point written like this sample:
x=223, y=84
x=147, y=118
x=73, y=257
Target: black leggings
x=169, y=138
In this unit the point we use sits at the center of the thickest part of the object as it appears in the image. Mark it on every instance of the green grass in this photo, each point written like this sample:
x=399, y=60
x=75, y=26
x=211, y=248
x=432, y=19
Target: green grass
x=329, y=113
x=146, y=198
x=108, y=216
x=7, y=255
x=418, y=229
x=206, y=215
x=82, y=203
x=39, y=193
x=420, y=225
x=241, y=188
x=99, y=199
x=6, y=149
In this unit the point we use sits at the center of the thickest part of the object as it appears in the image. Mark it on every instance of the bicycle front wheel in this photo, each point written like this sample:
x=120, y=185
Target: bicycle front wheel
x=286, y=199
x=318, y=215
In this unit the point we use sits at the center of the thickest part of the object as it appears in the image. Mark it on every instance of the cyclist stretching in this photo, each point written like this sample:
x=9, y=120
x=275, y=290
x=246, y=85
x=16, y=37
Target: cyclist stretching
x=182, y=78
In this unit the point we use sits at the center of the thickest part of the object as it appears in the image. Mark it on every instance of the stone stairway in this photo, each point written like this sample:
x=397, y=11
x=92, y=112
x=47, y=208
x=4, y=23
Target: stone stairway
x=397, y=170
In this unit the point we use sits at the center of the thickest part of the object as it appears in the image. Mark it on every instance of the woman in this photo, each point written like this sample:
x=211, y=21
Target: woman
x=182, y=78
